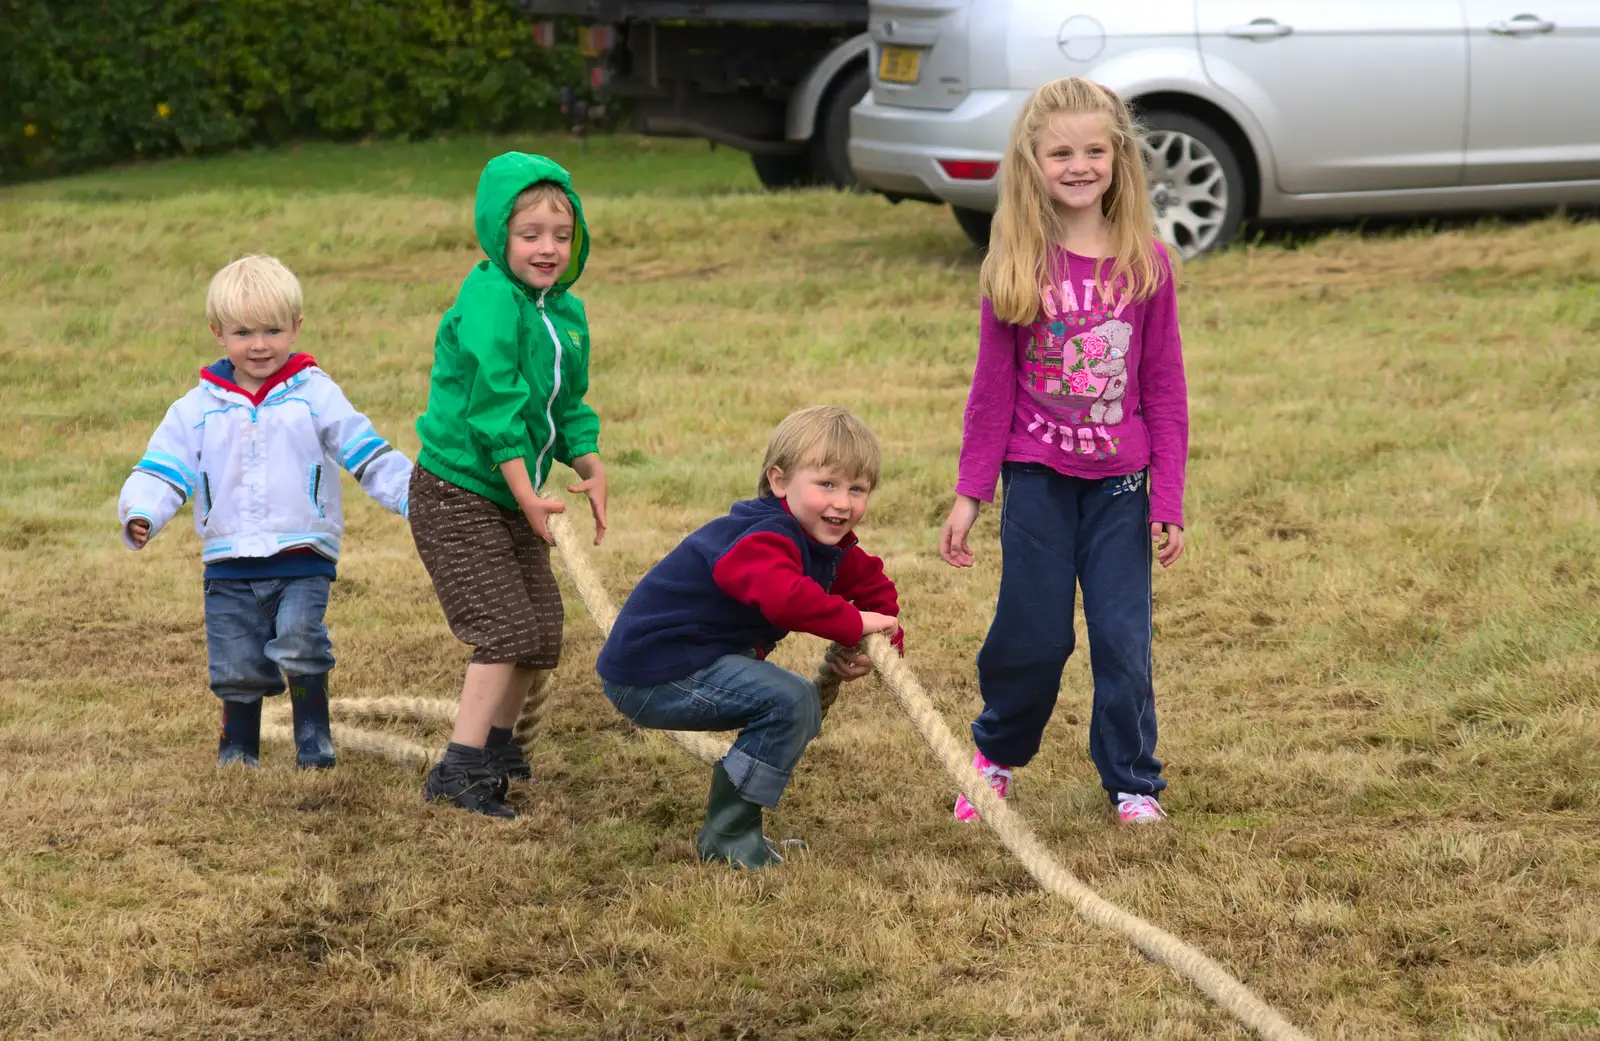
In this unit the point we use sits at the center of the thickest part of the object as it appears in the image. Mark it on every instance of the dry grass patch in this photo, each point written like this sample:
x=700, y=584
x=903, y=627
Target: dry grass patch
x=1378, y=668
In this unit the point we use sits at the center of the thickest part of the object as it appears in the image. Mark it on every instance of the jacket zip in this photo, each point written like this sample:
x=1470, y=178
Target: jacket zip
x=316, y=488
x=555, y=388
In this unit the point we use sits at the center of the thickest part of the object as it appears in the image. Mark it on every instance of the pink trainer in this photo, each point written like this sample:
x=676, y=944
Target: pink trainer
x=1138, y=809
x=999, y=779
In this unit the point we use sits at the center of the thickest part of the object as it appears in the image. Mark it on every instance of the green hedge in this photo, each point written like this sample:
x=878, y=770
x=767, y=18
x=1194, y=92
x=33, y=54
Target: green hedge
x=86, y=82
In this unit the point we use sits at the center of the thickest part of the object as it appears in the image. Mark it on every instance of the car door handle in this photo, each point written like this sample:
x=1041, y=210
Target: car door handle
x=1259, y=29
x=1522, y=25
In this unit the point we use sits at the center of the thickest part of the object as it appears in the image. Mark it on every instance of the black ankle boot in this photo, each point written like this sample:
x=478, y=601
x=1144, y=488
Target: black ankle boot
x=465, y=777
x=732, y=830
x=313, y=736
x=241, y=733
x=507, y=756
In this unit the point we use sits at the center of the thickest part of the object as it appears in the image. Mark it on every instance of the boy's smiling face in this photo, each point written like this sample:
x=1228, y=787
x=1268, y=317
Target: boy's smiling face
x=826, y=501
x=539, y=244
x=257, y=347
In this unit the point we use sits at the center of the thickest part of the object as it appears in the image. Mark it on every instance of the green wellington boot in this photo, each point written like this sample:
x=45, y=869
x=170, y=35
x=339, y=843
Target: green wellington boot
x=732, y=830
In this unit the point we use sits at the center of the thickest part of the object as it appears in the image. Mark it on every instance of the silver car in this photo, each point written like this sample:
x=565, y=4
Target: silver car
x=1277, y=109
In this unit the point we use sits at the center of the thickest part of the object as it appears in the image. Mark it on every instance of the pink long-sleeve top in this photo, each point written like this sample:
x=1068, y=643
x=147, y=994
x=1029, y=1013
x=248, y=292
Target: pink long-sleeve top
x=1093, y=388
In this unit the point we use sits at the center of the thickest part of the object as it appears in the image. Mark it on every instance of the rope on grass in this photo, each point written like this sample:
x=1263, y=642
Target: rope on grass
x=275, y=726
x=1015, y=834
x=1009, y=827
x=1160, y=946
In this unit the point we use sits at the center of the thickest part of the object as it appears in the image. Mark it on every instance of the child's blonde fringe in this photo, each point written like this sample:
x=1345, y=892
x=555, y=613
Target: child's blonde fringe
x=1014, y=833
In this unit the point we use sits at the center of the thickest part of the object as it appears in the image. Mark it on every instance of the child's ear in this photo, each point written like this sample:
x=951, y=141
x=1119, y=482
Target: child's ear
x=777, y=481
x=294, y=333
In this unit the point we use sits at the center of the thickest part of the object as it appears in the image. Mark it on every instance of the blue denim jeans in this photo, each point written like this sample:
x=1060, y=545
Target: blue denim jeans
x=777, y=713
x=1058, y=532
x=258, y=630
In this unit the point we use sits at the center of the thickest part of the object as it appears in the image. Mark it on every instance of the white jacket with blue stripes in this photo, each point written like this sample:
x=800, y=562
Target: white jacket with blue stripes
x=260, y=469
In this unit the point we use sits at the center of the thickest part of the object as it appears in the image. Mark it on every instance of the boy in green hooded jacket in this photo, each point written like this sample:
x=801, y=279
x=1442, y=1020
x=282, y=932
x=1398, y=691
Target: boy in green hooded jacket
x=510, y=369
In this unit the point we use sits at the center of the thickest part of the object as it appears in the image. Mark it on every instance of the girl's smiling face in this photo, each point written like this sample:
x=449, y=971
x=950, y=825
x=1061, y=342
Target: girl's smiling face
x=1075, y=155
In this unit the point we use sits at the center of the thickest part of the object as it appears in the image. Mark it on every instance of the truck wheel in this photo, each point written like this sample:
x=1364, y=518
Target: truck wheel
x=975, y=223
x=830, y=138
x=783, y=171
x=1196, y=183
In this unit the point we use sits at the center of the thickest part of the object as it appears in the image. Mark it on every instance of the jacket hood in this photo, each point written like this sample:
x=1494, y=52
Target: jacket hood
x=504, y=178
x=220, y=373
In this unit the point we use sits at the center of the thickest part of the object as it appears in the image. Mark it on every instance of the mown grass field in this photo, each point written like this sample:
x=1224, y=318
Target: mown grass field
x=1378, y=665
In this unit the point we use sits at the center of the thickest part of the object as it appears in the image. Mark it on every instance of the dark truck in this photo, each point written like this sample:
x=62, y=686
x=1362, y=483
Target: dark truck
x=774, y=79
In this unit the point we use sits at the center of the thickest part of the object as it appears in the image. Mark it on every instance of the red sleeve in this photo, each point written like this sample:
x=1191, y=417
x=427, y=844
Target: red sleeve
x=862, y=582
x=763, y=571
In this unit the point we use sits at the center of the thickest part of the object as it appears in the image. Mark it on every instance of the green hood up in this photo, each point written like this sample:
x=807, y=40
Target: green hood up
x=504, y=178
x=510, y=363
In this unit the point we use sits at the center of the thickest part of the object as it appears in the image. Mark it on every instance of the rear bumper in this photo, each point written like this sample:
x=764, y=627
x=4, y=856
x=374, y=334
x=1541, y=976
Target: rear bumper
x=896, y=150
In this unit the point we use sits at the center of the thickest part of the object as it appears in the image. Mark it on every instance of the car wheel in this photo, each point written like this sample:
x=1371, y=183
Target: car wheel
x=783, y=171
x=1196, y=183
x=830, y=138
x=975, y=223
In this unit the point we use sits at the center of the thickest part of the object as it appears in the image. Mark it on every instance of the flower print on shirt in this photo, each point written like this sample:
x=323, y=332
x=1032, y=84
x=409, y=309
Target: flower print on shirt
x=1078, y=377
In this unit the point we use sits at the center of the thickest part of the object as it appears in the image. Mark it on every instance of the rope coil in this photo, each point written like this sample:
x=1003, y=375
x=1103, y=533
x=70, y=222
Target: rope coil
x=1160, y=946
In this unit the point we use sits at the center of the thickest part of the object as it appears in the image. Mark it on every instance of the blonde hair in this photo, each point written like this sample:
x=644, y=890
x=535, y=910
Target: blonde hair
x=254, y=290
x=1016, y=271
x=822, y=436
x=543, y=191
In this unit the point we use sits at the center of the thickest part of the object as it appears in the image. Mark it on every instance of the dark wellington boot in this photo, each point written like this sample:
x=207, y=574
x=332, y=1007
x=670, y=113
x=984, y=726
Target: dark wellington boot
x=241, y=733
x=313, y=736
x=732, y=831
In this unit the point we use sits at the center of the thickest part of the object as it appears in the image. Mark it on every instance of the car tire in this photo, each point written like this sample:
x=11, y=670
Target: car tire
x=975, y=223
x=830, y=136
x=1196, y=183
x=780, y=171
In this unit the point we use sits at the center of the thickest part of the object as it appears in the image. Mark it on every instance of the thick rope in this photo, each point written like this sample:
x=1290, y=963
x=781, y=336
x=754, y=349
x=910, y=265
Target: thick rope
x=275, y=726
x=703, y=747
x=1008, y=826
x=531, y=717
x=1013, y=832
x=432, y=709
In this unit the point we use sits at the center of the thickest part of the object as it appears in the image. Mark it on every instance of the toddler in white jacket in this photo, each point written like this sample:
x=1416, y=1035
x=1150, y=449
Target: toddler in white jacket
x=254, y=445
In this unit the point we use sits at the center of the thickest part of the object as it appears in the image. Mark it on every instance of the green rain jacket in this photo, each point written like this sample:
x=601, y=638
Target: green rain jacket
x=510, y=363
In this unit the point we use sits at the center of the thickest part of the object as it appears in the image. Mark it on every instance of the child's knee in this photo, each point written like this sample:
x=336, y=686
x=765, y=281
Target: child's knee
x=303, y=647
x=800, y=706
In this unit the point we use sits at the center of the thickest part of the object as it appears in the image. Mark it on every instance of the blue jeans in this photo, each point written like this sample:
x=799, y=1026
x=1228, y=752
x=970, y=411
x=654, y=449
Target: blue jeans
x=1058, y=532
x=777, y=711
x=258, y=630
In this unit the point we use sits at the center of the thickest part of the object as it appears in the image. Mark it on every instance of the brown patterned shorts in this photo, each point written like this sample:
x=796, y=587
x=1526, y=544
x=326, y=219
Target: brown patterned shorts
x=490, y=571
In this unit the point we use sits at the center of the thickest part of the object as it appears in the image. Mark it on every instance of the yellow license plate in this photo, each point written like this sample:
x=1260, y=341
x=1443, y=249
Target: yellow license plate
x=899, y=64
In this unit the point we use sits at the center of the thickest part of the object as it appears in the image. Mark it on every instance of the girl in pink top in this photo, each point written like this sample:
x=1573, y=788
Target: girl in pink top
x=1079, y=408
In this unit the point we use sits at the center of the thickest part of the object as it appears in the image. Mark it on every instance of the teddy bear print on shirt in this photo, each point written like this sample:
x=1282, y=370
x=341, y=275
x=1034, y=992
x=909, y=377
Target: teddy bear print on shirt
x=1079, y=376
